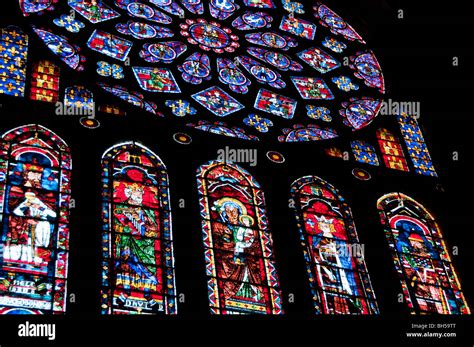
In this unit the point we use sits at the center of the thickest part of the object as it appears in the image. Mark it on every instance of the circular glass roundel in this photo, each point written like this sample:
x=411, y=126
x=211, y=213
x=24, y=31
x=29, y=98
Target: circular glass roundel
x=196, y=69
x=89, y=123
x=209, y=35
x=277, y=59
x=245, y=69
x=141, y=10
x=232, y=77
x=162, y=52
x=183, y=139
x=254, y=19
x=143, y=30
x=276, y=157
x=274, y=40
x=361, y=174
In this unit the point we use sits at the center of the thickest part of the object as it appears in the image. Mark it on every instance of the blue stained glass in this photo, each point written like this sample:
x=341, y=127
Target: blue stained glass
x=13, y=56
x=29, y=7
x=364, y=153
x=221, y=128
x=60, y=46
x=415, y=142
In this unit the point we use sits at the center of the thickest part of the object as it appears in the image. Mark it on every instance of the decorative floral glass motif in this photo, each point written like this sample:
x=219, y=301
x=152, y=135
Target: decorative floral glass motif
x=13, y=55
x=321, y=113
x=364, y=153
x=420, y=156
x=339, y=280
x=429, y=282
x=137, y=242
x=69, y=23
x=240, y=264
x=35, y=188
x=236, y=46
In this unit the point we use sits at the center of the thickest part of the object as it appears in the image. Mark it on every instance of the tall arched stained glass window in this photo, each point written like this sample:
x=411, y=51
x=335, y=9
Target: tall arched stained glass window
x=137, y=243
x=421, y=258
x=364, y=153
x=338, y=276
x=240, y=264
x=415, y=142
x=45, y=82
x=13, y=55
x=391, y=149
x=35, y=172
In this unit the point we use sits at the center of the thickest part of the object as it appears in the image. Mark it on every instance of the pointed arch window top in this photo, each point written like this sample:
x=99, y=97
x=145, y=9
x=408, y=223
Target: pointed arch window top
x=138, y=274
x=238, y=247
x=428, y=278
x=34, y=213
x=338, y=276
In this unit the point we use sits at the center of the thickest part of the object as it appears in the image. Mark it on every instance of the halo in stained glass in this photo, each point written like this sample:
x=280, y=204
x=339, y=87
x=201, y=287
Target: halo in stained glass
x=229, y=59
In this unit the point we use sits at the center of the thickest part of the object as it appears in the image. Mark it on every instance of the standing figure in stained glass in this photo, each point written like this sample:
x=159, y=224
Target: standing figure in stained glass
x=238, y=238
x=138, y=261
x=333, y=276
x=412, y=241
x=339, y=280
x=135, y=243
x=240, y=265
x=34, y=215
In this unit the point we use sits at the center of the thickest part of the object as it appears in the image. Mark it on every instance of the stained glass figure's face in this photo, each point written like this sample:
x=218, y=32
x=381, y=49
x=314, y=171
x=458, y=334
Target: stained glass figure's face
x=134, y=194
x=33, y=178
x=232, y=214
x=226, y=58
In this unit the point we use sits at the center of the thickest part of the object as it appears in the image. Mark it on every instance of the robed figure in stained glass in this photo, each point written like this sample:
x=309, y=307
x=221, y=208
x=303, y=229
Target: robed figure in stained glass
x=238, y=248
x=135, y=242
x=235, y=236
x=138, y=262
x=336, y=267
x=35, y=174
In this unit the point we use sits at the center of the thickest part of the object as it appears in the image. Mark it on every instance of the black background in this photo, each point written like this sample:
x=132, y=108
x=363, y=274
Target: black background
x=416, y=55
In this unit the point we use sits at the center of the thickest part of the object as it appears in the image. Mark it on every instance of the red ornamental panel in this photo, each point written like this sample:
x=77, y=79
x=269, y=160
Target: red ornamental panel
x=392, y=151
x=45, y=82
